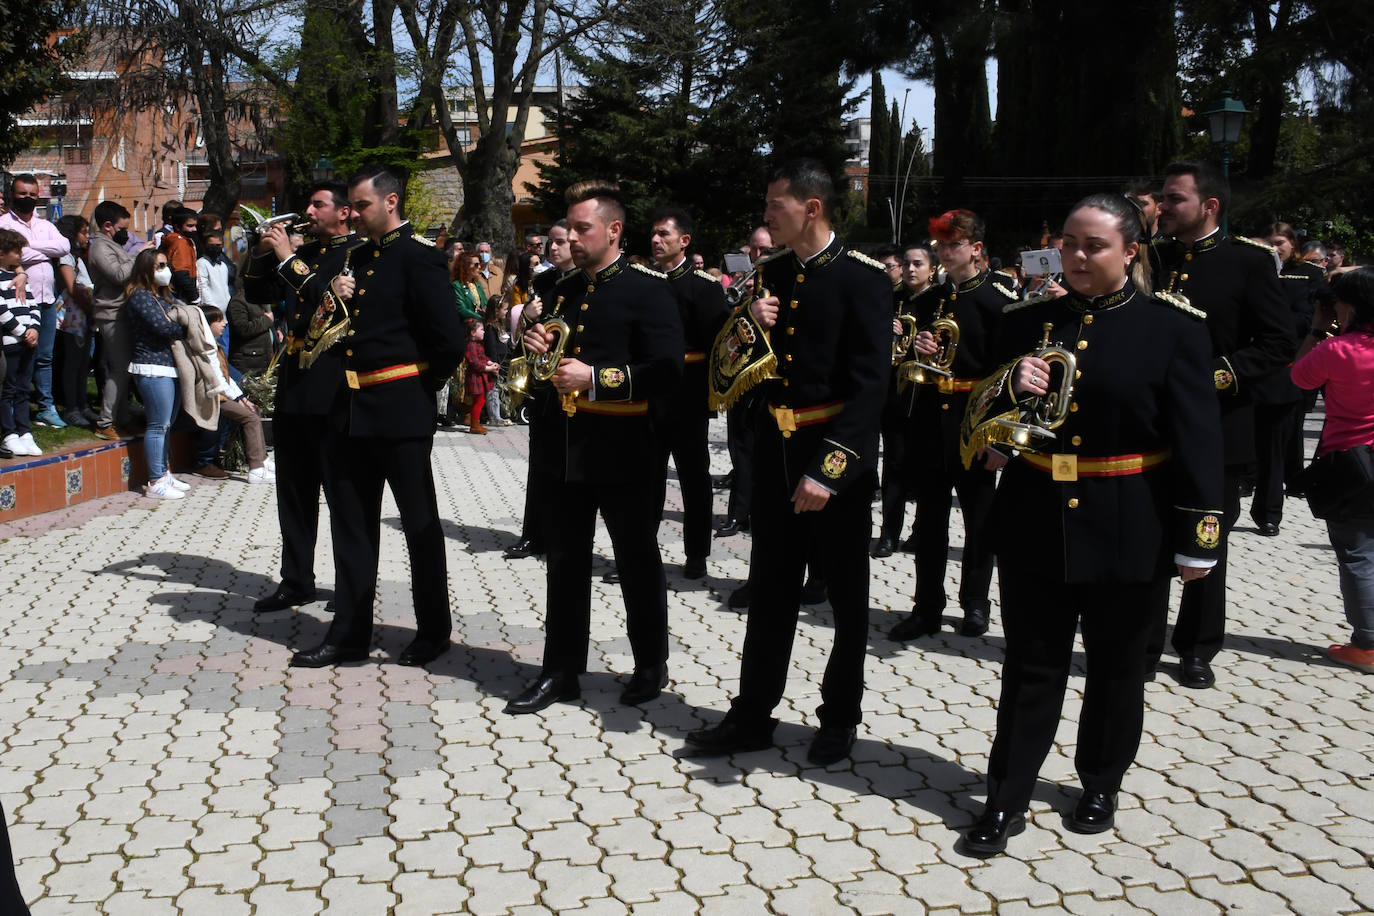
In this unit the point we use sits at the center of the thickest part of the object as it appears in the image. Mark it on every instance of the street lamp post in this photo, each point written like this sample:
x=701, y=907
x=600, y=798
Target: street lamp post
x=1225, y=117
x=322, y=170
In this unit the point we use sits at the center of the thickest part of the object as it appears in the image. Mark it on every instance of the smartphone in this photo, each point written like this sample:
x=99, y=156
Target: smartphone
x=1042, y=262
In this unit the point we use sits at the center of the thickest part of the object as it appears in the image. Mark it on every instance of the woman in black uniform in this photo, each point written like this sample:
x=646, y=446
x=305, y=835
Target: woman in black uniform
x=1089, y=528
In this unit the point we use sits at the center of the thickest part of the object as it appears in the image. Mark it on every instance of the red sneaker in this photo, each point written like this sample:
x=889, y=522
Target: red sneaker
x=1353, y=656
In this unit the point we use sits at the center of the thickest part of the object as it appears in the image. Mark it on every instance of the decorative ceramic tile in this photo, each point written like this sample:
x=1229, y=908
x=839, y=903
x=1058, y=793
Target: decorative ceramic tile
x=7, y=497
x=73, y=481
x=124, y=468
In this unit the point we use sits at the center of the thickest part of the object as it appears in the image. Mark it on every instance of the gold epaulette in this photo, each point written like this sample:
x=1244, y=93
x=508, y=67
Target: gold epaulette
x=1180, y=302
x=422, y=240
x=705, y=276
x=650, y=271
x=1009, y=293
x=1019, y=304
x=1249, y=241
x=866, y=260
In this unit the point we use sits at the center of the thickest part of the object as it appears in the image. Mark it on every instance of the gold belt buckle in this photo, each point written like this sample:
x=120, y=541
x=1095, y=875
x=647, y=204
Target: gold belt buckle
x=352, y=379
x=1064, y=467
x=787, y=420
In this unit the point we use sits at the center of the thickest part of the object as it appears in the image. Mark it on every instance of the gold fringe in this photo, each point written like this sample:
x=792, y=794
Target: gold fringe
x=748, y=378
x=328, y=338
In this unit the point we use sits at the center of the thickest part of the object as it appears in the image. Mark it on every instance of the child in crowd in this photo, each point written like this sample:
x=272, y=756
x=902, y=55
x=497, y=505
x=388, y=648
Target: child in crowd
x=481, y=372
x=497, y=343
x=19, y=318
x=234, y=407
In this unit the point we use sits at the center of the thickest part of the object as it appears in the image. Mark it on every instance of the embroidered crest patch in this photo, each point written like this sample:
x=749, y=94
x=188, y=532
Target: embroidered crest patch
x=612, y=378
x=1223, y=379
x=1209, y=532
x=834, y=464
x=300, y=267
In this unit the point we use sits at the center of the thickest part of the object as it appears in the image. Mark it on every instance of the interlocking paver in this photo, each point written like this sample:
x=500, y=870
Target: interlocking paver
x=158, y=756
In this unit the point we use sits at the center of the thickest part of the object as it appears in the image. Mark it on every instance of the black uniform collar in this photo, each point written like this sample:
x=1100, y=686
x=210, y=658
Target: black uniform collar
x=971, y=283
x=335, y=241
x=403, y=231
x=1081, y=303
x=610, y=272
x=684, y=267
x=1206, y=243
x=826, y=256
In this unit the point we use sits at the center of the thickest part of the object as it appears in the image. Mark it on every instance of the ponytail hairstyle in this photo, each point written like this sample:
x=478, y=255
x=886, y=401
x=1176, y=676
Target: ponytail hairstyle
x=1130, y=222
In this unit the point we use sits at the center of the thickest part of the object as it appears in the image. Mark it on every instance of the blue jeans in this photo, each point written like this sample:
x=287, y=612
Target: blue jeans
x=14, y=395
x=1353, y=539
x=42, y=365
x=161, y=397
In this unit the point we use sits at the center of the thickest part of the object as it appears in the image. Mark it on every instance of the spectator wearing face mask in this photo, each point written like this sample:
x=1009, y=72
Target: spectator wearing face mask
x=111, y=265
x=489, y=272
x=44, y=244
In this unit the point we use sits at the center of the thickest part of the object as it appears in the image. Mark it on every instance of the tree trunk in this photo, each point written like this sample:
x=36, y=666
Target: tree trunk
x=487, y=194
x=208, y=80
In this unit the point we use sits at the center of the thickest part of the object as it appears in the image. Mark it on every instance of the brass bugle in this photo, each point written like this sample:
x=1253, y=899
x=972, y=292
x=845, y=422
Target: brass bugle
x=901, y=344
x=1047, y=412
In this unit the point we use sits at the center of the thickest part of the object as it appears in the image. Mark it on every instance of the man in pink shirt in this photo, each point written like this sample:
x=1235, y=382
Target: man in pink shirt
x=45, y=245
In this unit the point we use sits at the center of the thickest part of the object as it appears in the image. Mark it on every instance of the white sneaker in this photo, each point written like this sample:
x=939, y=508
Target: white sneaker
x=162, y=490
x=270, y=464
x=172, y=481
x=261, y=475
x=15, y=446
x=30, y=447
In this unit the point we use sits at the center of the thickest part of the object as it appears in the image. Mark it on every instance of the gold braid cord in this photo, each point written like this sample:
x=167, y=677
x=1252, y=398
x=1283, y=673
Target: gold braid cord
x=322, y=335
x=979, y=428
x=741, y=357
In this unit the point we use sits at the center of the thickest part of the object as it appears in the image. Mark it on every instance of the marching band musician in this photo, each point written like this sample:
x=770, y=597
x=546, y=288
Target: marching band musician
x=815, y=462
x=975, y=301
x=915, y=296
x=701, y=306
x=622, y=352
x=1093, y=533
x=1235, y=282
x=303, y=396
x=404, y=339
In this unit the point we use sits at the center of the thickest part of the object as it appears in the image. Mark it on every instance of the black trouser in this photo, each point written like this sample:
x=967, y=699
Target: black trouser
x=539, y=485
x=1274, y=428
x=1295, y=449
x=783, y=540
x=896, y=476
x=739, y=440
x=299, y=440
x=685, y=442
x=933, y=502
x=11, y=898
x=1039, y=617
x=72, y=363
x=359, y=471
x=632, y=521
x=1201, y=626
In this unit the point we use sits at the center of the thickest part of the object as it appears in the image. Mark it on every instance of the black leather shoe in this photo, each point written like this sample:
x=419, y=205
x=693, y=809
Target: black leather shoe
x=885, y=547
x=1094, y=813
x=975, y=621
x=721, y=481
x=989, y=835
x=423, y=651
x=1269, y=529
x=612, y=577
x=909, y=545
x=914, y=626
x=728, y=528
x=831, y=744
x=282, y=599
x=644, y=685
x=525, y=548
x=326, y=654
x=694, y=568
x=1196, y=673
x=730, y=737
x=739, y=598
x=543, y=693
x=813, y=592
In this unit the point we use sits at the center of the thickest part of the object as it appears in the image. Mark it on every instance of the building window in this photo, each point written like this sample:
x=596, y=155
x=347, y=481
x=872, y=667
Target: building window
x=119, y=161
x=857, y=185
x=464, y=135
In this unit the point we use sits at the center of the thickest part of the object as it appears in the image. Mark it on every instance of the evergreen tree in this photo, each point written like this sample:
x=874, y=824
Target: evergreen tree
x=881, y=152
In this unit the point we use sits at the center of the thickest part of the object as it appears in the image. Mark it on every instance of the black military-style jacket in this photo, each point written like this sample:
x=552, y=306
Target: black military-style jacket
x=1143, y=400
x=1235, y=282
x=921, y=306
x=833, y=342
x=301, y=283
x=624, y=324
x=1302, y=284
x=405, y=338
x=702, y=309
x=976, y=306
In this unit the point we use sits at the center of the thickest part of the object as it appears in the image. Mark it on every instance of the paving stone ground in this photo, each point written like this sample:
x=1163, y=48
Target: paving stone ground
x=157, y=755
